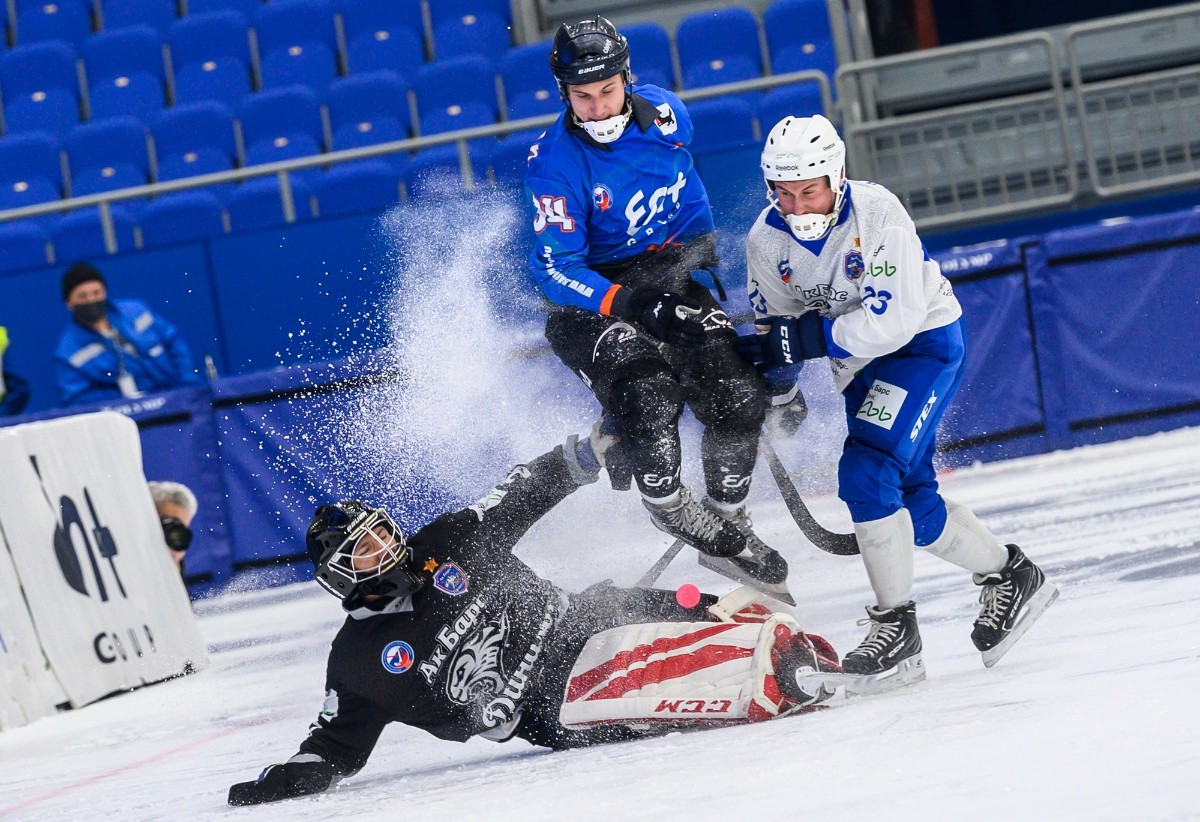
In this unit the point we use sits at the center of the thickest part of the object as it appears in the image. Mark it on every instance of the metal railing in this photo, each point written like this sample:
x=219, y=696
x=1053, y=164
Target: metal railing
x=281, y=169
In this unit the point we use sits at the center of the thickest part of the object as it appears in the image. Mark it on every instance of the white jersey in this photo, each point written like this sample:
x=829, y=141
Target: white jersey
x=870, y=275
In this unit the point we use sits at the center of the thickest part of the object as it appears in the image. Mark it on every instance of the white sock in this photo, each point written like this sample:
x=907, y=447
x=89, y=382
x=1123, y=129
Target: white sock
x=665, y=502
x=726, y=509
x=967, y=543
x=887, y=552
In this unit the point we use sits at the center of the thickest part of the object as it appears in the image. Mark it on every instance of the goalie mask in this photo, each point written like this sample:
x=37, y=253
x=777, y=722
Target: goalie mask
x=805, y=148
x=360, y=554
x=587, y=52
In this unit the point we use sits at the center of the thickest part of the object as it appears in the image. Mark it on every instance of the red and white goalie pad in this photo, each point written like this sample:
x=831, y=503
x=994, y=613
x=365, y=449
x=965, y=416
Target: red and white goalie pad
x=685, y=673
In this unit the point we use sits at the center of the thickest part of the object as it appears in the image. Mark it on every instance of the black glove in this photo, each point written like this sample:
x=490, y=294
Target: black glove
x=285, y=781
x=671, y=318
x=790, y=340
x=787, y=409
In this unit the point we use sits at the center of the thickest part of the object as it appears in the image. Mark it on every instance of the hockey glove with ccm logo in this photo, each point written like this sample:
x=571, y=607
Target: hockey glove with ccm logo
x=669, y=317
x=788, y=341
x=301, y=775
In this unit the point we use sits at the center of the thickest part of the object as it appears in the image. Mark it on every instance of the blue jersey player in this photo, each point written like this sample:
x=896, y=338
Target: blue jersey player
x=622, y=220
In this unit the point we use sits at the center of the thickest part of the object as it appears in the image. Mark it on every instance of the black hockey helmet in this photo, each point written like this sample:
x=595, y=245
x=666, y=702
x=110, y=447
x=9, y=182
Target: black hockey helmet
x=358, y=551
x=590, y=50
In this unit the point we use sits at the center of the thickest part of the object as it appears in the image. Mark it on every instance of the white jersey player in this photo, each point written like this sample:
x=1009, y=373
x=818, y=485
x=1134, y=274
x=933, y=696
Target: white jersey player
x=835, y=269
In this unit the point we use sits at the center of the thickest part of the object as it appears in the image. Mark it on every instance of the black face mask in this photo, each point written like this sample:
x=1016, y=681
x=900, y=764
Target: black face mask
x=177, y=535
x=90, y=313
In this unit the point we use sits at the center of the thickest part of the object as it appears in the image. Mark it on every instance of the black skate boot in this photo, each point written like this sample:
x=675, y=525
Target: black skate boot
x=699, y=527
x=759, y=566
x=1013, y=598
x=890, y=653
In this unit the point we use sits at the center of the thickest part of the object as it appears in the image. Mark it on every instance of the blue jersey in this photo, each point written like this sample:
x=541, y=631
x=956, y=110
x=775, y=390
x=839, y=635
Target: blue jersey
x=601, y=203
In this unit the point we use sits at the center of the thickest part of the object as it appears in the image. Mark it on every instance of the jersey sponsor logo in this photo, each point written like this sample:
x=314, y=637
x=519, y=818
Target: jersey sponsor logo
x=693, y=706
x=666, y=121
x=876, y=301
x=785, y=271
x=450, y=579
x=882, y=404
x=854, y=265
x=602, y=196
x=397, y=657
x=884, y=269
x=551, y=211
x=916, y=429
x=821, y=297
x=642, y=210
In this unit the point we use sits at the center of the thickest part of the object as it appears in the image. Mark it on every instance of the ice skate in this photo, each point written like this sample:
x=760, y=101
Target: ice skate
x=694, y=523
x=888, y=658
x=758, y=566
x=1013, y=598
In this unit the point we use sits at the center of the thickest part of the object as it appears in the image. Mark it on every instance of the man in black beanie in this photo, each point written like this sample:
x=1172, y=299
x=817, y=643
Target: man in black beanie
x=115, y=349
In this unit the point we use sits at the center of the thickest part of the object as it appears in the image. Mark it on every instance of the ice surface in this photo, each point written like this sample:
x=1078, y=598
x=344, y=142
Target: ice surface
x=1093, y=715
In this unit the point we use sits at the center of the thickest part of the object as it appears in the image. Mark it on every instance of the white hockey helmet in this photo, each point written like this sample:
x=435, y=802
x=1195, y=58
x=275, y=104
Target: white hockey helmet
x=804, y=148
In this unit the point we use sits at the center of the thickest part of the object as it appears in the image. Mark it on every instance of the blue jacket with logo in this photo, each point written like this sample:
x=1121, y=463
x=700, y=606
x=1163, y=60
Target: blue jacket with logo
x=601, y=203
x=89, y=364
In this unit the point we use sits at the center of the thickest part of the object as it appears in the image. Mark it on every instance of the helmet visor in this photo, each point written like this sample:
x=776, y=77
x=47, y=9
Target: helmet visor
x=372, y=547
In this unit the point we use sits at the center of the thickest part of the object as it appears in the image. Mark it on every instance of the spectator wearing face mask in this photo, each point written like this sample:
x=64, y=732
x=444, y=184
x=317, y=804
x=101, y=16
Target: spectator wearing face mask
x=115, y=349
x=176, y=506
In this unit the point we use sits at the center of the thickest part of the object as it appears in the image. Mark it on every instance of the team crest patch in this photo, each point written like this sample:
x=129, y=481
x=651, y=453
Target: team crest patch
x=450, y=579
x=602, y=195
x=785, y=271
x=882, y=405
x=854, y=265
x=397, y=657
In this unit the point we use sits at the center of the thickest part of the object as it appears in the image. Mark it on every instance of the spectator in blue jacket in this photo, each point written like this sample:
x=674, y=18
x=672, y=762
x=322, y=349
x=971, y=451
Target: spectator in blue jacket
x=115, y=349
x=14, y=390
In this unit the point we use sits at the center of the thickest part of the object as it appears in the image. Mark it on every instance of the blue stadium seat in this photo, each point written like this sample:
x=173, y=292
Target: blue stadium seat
x=718, y=46
x=223, y=79
x=529, y=87
x=510, y=158
x=80, y=234
x=476, y=33
x=650, y=55
x=107, y=155
x=437, y=172
x=270, y=114
x=123, y=52
x=284, y=23
x=22, y=245
x=721, y=123
x=28, y=191
x=310, y=63
x=28, y=157
x=440, y=10
x=194, y=139
x=282, y=124
x=368, y=108
x=200, y=37
x=816, y=54
x=257, y=204
x=455, y=116
x=67, y=20
x=246, y=7
x=182, y=217
x=794, y=23
x=139, y=95
x=372, y=16
x=800, y=100
x=349, y=188
x=460, y=80
x=38, y=66
x=397, y=49
x=158, y=14
x=52, y=110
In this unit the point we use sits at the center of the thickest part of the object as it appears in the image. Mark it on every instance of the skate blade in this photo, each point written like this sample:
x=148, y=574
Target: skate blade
x=1034, y=608
x=721, y=565
x=907, y=672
